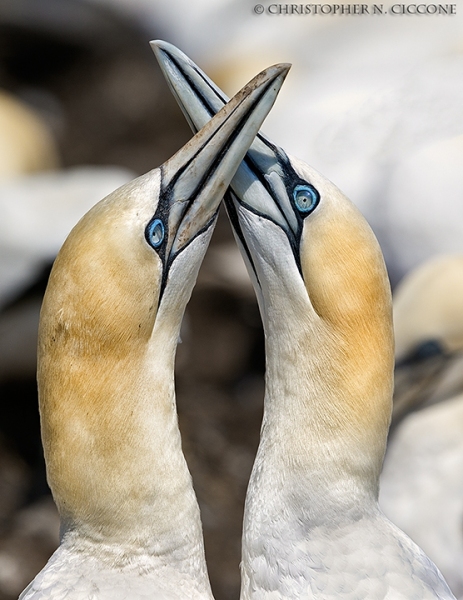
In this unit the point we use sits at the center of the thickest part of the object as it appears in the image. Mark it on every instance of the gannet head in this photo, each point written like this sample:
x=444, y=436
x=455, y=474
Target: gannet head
x=109, y=328
x=324, y=296
x=428, y=326
x=320, y=280
x=427, y=308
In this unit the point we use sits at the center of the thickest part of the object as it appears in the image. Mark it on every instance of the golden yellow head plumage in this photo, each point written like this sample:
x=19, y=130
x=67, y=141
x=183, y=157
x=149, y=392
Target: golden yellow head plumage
x=110, y=323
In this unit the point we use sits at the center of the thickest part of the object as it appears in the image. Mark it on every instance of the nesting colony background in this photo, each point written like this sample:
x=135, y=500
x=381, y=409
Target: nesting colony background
x=373, y=101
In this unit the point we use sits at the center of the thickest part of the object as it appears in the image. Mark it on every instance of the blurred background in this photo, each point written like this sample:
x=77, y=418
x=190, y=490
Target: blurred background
x=373, y=101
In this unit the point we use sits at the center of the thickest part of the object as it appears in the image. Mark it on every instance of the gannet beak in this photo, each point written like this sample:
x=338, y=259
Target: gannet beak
x=265, y=182
x=195, y=179
x=197, y=95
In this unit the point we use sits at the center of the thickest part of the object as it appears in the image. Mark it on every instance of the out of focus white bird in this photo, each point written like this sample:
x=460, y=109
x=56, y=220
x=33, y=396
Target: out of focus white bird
x=26, y=147
x=110, y=322
x=428, y=325
x=422, y=480
x=312, y=525
x=38, y=210
x=397, y=152
x=26, y=144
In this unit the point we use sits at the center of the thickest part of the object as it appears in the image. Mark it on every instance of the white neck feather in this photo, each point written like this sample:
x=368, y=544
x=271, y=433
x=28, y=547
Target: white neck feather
x=113, y=451
x=310, y=433
x=323, y=433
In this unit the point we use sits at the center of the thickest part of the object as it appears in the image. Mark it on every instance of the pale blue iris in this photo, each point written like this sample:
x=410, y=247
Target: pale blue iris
x=156, y=233
x=305, y=198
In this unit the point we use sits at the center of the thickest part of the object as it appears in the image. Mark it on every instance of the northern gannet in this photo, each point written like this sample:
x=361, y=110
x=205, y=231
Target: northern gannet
x=421, y=486
x=130, y=525
x=312, y=525
x=428, y=328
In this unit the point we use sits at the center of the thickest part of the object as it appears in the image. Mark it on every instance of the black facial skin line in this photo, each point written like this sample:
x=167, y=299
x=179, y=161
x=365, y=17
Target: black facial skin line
x=163, y=214
x=229, y=204
x=163, y=208
x=290, y=177
x=206, y=105
x=234, y=220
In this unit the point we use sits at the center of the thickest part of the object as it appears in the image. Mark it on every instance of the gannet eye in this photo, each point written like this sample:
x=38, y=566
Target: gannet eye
x=306, y=198
x=427, y=349
x=155, y=233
